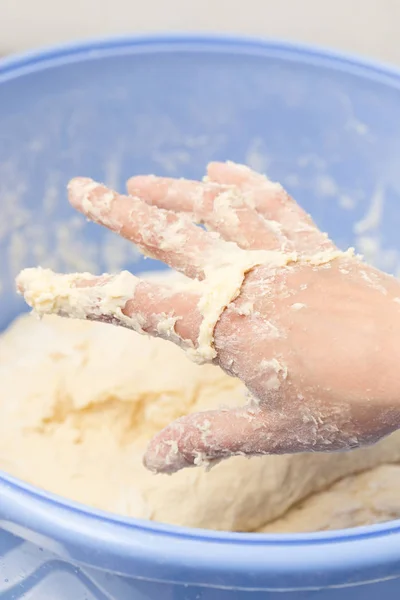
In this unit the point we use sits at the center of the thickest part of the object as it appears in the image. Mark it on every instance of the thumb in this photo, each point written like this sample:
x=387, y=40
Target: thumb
x=202, y=439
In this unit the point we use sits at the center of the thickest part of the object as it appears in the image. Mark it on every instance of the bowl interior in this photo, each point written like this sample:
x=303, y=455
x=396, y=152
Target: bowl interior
x=327, y=130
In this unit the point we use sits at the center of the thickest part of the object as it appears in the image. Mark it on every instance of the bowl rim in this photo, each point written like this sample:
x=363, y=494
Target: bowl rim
x=184, y=555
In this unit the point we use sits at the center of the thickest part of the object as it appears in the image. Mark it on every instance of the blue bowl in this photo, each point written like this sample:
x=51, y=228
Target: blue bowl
x=328, y=128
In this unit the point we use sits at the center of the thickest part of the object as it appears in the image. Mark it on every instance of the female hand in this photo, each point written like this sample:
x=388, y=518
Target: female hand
x=313, y=332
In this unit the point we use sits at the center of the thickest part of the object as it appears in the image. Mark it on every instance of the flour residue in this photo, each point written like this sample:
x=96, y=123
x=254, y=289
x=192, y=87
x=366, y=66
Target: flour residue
x=373, y=217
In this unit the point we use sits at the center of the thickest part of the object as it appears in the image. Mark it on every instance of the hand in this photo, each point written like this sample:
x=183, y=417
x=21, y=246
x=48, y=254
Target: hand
x=313, y=332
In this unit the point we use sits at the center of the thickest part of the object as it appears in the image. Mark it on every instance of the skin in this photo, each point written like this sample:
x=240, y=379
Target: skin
x=317, y=349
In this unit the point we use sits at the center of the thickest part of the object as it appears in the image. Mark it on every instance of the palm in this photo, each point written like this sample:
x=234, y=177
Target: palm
x=306, y=330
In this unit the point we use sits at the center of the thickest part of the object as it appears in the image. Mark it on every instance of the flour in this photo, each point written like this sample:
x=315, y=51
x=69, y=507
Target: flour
x=372, y=219
x=66, y=247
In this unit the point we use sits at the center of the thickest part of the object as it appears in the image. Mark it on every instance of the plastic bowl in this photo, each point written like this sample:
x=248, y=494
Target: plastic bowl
x=327, y=127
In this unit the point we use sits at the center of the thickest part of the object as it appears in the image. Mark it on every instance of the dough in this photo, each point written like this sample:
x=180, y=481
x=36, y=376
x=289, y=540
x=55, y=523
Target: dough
x=364, y=499
x=80, y=400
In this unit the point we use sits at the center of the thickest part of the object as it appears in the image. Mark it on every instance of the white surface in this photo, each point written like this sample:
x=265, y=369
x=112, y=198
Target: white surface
x=368, y=27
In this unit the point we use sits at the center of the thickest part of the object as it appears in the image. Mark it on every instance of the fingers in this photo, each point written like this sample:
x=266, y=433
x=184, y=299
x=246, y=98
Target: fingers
x=161, y=234
x=221, y=208
x=207, y=437
x=121, y=299
x=271, y=200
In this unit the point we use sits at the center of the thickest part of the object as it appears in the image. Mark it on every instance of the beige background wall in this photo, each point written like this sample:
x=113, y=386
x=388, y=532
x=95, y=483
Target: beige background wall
x=368, y=27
